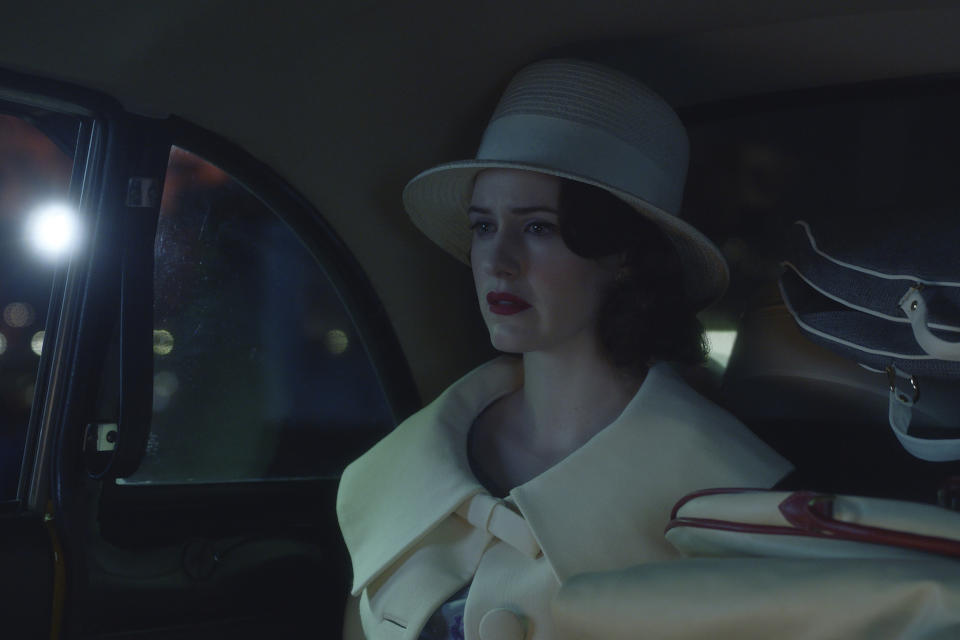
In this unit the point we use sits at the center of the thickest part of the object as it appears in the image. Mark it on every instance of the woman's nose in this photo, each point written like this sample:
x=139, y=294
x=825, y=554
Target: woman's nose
x=505, y=259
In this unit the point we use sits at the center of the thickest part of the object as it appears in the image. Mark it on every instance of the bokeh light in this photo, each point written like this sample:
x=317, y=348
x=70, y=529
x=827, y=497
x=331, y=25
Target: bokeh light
x=54, y=230
x=165, y=384
x=36, y=342
x=18, y=314
x=162, y=342
x=336, y=341
x=3, y=344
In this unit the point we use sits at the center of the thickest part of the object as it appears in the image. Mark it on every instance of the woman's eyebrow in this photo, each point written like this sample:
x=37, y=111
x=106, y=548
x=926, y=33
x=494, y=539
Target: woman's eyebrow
x=516, y=210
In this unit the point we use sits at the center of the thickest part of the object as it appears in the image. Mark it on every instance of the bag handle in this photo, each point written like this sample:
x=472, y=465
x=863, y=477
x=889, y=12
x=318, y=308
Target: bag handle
x=915, y=307
x=901, y=404
x=900, y=413
x=813, y=512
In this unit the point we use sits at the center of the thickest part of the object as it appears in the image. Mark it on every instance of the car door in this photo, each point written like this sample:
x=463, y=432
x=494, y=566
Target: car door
x=217, y=357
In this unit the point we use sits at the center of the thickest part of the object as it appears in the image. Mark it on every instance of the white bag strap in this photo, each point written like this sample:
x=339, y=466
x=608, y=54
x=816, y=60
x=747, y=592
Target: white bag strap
x=900, y=415
x=915, y=307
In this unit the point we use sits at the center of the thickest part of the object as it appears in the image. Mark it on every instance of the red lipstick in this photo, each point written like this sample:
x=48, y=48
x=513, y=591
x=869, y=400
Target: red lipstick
x=506, y=304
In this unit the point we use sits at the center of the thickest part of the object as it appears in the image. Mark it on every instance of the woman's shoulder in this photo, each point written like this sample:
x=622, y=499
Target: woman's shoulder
x=461, y=403
x=415, y=477
x=675, y=387
x=707, y=428
x=435, y=436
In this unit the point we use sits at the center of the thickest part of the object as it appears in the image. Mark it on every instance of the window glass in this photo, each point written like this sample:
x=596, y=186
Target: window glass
x=259, y=372
x=34, y=176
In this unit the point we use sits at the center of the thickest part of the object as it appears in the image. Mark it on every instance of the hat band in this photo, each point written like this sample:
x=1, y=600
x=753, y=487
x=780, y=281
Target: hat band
x=580, y=150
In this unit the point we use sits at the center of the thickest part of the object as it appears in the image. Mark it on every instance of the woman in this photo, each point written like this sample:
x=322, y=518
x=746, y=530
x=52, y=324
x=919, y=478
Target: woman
x=466, y=519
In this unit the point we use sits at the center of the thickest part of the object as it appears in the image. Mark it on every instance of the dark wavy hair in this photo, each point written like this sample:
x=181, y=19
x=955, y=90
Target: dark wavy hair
x=644, y=316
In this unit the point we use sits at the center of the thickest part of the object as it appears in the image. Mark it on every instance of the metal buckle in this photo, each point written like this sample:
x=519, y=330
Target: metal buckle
x=902, y=396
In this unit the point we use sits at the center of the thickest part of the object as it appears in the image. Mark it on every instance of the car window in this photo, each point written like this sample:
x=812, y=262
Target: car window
x=34, y=184
x=259, y=370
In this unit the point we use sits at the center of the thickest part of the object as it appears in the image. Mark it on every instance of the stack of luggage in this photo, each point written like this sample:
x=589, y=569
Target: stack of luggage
x=855, y=376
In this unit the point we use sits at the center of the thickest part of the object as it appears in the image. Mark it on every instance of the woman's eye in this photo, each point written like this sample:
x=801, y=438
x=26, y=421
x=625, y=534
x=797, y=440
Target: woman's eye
x=540, y=228
x=480, y=227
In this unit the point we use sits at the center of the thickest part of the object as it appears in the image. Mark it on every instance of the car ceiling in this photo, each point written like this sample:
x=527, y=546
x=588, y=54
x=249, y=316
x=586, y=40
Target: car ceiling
x=348, y=100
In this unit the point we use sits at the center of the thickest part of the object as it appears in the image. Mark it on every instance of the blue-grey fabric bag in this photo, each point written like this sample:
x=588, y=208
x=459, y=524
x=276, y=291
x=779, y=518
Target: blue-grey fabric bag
x=886, y=296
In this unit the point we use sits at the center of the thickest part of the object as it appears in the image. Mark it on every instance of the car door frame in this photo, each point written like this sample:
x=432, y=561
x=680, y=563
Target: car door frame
x=61, y=502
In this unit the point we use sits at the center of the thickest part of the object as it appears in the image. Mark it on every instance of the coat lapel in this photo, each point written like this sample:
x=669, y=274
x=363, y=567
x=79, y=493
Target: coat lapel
x=605, y=506
x=418, y=475
x=602, y=507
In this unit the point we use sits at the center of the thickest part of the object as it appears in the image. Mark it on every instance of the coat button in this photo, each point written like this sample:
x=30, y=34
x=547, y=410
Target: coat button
x=502, y=624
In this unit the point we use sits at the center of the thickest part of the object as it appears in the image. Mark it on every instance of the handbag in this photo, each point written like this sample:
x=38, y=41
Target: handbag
x=889, y=301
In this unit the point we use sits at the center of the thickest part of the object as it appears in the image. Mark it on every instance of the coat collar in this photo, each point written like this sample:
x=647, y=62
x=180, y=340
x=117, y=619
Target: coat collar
x=602, y=507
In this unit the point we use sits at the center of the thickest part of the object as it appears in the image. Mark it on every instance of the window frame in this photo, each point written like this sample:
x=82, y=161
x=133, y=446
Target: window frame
x=283, y=498
x=133, y=512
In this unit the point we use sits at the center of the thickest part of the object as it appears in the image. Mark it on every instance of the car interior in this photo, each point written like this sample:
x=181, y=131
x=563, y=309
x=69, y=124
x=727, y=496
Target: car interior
x=244, y=299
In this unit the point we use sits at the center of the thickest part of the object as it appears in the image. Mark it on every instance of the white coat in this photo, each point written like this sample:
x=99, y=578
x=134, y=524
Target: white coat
x=419, y=526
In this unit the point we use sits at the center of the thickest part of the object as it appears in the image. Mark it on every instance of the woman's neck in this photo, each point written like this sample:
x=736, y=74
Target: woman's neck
x=568, y=396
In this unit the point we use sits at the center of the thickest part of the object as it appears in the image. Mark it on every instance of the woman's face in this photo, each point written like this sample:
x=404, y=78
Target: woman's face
x=535, y=294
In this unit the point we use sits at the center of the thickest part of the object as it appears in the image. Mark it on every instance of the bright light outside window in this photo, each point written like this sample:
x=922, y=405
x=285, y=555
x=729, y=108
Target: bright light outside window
x=53, y=230
x=721, y=345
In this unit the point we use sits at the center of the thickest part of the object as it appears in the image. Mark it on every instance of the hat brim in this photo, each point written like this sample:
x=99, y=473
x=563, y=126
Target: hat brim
x=437, y=201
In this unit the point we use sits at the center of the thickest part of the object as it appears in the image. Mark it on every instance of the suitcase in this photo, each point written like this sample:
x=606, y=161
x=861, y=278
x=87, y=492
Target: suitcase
x=806, y=524
x=788, y=565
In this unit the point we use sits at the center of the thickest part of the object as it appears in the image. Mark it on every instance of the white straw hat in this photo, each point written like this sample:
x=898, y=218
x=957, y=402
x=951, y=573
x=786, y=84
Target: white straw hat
x=584, y=122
